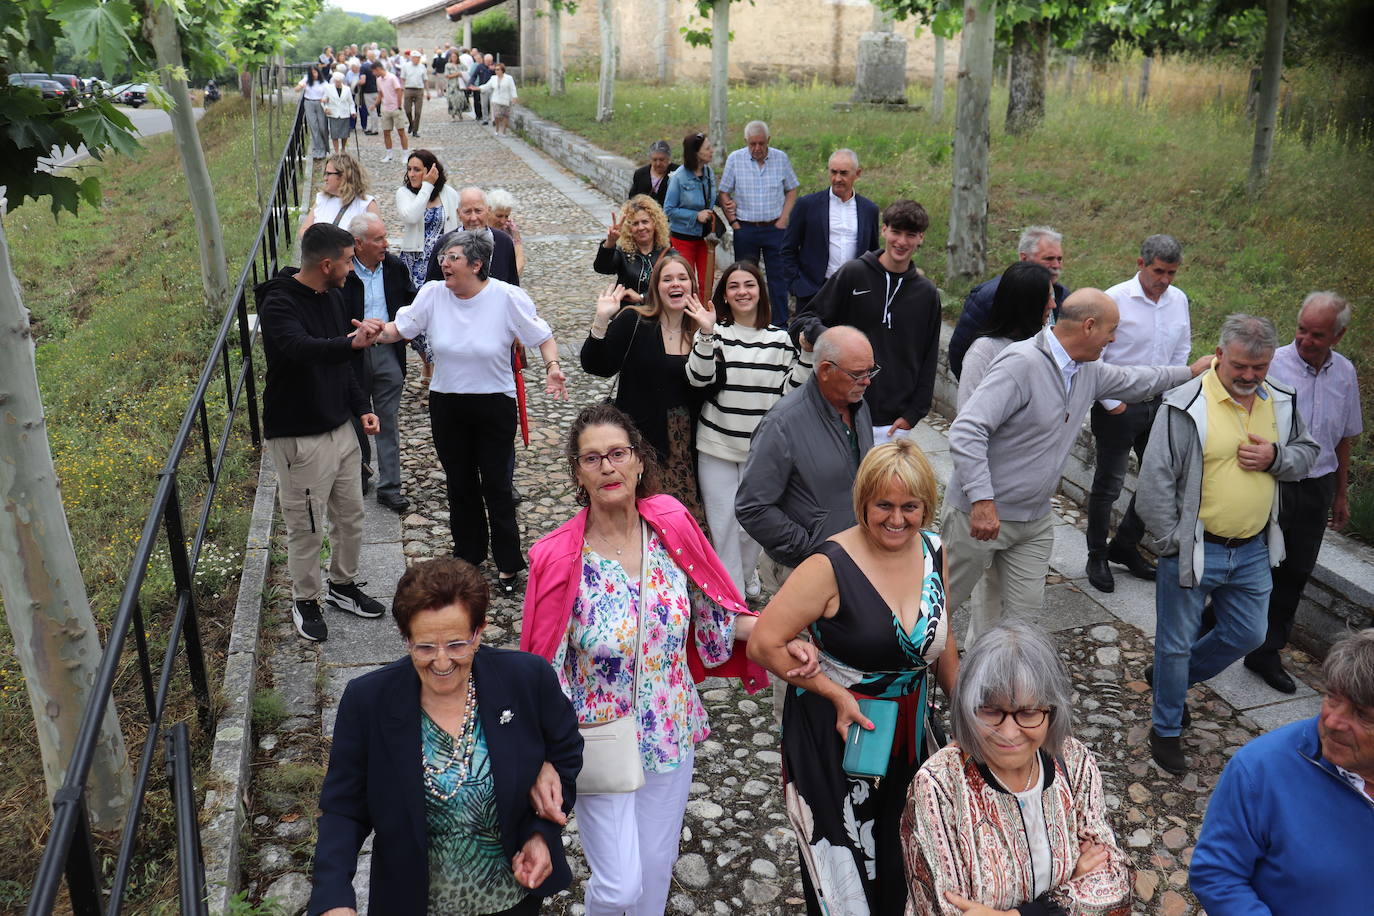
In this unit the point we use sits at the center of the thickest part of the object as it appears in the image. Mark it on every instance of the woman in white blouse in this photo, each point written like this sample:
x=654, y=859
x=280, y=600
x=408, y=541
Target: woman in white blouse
x=428, y=208
x=339, y=109
x=471, y=321
x=502, y=98
x=313, y=85
x=344, y=194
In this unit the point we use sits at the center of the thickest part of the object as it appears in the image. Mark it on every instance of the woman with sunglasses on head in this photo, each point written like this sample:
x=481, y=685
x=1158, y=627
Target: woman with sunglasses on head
x=461, y=760
x=747, y=366
x=471, y=320
x=646, y=346
x=691, y=194
x=1009, y=818
x=632, y=608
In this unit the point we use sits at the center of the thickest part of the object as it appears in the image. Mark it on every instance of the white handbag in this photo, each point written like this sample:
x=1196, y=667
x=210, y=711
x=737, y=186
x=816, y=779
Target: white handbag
x=611, y=762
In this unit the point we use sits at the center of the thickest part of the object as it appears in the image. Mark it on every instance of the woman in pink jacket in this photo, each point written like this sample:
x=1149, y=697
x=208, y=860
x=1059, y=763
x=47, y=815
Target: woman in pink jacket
x=631, y=550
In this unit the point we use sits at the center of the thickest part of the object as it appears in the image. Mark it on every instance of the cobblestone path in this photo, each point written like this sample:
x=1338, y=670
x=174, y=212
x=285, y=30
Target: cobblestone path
x=738, y=852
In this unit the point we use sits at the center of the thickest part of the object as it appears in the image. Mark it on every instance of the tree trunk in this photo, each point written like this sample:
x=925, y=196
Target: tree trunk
x=1068, y=75
x=605, y=94
x=968, y=205
x=720, y=73
x=937, y=85
x=49, y=616
x=1030, y=52
x=557, y=86
x=661, y=43
x=1266, y=112
x=467, y=31
x=1145, y=64
x=160, y=28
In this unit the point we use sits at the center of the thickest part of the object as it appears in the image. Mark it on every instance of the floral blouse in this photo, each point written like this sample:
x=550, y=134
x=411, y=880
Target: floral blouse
x=596, y=663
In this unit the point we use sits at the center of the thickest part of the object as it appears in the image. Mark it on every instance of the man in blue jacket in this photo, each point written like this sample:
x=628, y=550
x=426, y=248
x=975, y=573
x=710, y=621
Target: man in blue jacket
x=1290, y=826
x=827, y=229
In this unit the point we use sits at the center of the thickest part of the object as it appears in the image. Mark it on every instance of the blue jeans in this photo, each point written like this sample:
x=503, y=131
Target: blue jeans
x=762, y=244
x=1238, y=581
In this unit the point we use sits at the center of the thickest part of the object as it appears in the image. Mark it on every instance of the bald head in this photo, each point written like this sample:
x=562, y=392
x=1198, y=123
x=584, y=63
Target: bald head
x=1087, y=323
x=841, y=354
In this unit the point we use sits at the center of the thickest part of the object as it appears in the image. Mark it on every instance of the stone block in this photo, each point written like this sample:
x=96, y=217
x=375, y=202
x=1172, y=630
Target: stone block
x=359, y=641
x=880, y=74
x=1275, y=715
x=1244, y=690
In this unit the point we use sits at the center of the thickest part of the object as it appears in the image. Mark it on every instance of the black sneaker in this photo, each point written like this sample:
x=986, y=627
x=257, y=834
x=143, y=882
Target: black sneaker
x=350, y=598
x=1168, y=753
x=394, y=503
x=309, y=621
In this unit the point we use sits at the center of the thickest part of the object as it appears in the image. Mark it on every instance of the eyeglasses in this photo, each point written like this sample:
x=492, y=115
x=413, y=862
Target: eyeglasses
x=591, y=461
x=456, y=649
x=452, y=257
x=1033, y=717
x=866, y=375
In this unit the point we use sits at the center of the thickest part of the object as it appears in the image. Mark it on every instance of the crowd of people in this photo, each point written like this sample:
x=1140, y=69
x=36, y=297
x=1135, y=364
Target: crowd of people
x=753, y=506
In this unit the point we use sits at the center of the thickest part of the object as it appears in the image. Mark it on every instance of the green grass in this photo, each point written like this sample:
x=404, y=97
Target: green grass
x=122, y=334
x=1104, y=173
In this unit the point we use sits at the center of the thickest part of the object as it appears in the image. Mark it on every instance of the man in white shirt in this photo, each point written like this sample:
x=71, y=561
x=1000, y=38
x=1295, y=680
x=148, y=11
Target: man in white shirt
x=827, y=229
x=413, y=73
x=1155, y=330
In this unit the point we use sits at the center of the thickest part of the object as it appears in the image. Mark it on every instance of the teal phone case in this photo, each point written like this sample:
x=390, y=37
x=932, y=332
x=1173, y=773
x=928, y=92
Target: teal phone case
x=866, y=752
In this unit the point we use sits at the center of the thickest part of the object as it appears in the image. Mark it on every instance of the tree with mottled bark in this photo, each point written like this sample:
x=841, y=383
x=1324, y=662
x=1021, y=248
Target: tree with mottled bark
x=717, y=35
x=556, y=77
x=937, y=83
x=968, y=205
x=605, y=93
x=1267, y=112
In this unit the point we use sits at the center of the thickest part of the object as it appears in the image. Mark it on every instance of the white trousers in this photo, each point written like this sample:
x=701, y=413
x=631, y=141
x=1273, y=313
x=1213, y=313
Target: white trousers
x=720, y=480
x=631, y=841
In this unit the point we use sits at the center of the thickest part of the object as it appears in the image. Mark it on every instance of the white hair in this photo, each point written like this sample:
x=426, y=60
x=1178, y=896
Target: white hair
x=1032, y=236
x=358, y=225
x=1328, y=299
x=754, y=129
x=501, y=199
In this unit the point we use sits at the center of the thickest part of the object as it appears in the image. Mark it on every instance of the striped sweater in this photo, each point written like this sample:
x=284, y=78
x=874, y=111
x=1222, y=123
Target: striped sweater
x=750, y=369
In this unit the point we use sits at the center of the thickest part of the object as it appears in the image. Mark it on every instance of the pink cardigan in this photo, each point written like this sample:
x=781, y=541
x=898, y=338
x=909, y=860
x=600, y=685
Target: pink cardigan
x=556, y=571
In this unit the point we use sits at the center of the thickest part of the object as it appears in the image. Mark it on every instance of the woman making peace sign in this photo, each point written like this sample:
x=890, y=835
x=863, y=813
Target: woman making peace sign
x=637, y=237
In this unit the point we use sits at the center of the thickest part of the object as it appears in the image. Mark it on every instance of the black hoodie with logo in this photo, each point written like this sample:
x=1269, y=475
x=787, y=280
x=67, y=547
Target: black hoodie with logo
x=312, y=383
x=900, y=314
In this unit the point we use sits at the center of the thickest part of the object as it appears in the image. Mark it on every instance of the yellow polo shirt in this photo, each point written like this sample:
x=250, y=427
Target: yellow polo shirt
x=1235, y=502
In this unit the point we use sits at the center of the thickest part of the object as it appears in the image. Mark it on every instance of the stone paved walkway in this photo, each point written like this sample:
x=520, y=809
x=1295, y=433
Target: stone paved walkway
x=738, y=853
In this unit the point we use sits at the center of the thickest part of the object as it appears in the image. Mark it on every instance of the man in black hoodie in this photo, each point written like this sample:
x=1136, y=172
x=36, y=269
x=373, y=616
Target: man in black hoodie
x=309, y=400
x=886, y=297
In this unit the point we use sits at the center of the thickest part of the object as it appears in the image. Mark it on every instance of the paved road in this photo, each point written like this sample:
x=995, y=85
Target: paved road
x=738, y=853
x=148, y=121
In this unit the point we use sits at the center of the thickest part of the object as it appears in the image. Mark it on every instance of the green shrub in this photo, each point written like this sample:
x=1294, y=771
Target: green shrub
x=495, y=32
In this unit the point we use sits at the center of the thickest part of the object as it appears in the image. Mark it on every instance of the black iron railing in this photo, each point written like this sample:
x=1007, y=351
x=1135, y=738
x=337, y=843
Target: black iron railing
x=71, y=849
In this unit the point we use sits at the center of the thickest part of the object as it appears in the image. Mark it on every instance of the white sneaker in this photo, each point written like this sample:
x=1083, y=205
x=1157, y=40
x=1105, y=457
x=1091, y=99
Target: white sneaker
x=387, y=158
x=753, y=587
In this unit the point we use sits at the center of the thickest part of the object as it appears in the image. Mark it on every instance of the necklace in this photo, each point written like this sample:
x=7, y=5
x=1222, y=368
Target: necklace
x=460, y=753
x=611, y=544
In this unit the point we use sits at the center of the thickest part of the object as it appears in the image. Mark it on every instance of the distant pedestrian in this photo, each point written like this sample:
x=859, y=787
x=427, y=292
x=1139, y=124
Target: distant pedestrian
x=455, y=87
x=503, y=96
x=338, y=107
x=313, y=86
x=389, y=108
x=758, y=190
x=413, y=73
x=652, y=179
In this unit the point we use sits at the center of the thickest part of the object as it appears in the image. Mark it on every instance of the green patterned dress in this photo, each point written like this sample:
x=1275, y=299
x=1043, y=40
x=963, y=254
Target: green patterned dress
x=469, y=873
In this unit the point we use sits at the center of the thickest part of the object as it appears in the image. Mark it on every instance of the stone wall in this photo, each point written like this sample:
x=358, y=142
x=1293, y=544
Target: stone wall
x=802, y=40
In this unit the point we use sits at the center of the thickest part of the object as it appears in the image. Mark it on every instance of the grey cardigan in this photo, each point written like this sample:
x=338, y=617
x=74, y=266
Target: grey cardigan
x=1010, y=440
x=1169, y=489
x=796, y=487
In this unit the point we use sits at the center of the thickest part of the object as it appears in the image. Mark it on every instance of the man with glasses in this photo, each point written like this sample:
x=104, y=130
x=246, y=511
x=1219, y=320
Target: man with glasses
x=1009, y=444
x=886, y=297
x=796, y=488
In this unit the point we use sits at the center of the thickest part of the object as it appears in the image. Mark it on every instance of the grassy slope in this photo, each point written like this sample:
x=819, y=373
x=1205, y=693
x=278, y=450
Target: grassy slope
x=1104, y=174
x=120, y=325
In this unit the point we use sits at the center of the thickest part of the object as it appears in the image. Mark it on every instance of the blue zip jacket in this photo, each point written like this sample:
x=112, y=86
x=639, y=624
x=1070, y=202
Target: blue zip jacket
x=1284, y=833
x=687, y=196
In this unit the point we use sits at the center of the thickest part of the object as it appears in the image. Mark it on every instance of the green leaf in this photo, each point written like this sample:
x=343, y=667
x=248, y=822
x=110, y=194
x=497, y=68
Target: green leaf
x=101, y=28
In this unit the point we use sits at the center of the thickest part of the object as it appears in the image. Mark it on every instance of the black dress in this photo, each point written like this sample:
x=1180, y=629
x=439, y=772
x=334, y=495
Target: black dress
x=643, y=183
x=631, y=269
x=847, y=826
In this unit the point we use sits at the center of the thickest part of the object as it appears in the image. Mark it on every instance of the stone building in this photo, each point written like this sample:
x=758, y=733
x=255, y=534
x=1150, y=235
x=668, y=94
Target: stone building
x=801, y=40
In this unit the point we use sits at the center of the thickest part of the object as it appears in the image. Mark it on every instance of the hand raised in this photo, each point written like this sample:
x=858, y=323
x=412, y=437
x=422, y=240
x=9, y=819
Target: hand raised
x=702, y=314
x=608, y=303
x=432, y=174
x=613, y=233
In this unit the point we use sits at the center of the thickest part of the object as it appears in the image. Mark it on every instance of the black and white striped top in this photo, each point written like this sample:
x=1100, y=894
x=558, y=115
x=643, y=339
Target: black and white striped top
x=750, y=370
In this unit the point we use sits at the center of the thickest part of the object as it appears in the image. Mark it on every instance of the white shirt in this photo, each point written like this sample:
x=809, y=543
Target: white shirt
x=844, y=231
x=1037, y=835
x=502, y=89
x=1067, y=367
x=327, y=206
x=471, y=338
x=413, y=75
x=466, y=62
x=1150, y=333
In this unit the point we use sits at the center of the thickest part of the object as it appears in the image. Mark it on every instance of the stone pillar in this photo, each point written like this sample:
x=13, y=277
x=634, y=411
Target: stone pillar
x=880, y=76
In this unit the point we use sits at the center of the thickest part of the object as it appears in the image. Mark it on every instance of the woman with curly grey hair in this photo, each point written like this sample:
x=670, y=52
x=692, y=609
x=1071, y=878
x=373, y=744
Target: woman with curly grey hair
x=1010, y=816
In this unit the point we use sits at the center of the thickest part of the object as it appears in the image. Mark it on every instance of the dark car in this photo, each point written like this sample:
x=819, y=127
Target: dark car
x=131, y=94
x=50, y=88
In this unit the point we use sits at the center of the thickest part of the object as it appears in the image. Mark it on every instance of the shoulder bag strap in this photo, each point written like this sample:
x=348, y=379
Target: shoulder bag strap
x=639, y=617
x=342, y=207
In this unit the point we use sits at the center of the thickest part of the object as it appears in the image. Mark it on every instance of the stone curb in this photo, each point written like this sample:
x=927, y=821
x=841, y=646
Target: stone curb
x=1344, y=574
x=222, y=816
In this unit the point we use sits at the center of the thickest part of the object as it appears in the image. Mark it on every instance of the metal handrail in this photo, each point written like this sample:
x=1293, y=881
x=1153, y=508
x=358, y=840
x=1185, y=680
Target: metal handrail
x=70, y=849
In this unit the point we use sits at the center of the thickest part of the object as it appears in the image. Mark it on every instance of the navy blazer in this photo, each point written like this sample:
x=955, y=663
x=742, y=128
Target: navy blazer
x=374, y=781
x=806, y=246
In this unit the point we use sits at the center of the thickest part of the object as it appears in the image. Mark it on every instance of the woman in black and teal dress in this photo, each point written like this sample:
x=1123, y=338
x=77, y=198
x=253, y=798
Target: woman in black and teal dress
x=873, y=601
x=461, y=759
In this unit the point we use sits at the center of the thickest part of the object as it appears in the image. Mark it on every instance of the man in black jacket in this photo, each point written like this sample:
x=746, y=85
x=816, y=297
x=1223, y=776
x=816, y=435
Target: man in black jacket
x=472, y=213
x=309, y=400
x=887, y=298
x=377, y=287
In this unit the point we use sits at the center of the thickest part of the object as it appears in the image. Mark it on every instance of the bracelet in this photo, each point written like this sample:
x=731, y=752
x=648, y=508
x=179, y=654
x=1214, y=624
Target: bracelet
x=552, y=362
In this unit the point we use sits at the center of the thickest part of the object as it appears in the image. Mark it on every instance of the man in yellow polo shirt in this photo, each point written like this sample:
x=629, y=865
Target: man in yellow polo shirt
x=1208, y=496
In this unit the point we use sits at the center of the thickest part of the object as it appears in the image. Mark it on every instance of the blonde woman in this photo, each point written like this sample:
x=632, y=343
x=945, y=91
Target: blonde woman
x=637, y=238
x=344, y=195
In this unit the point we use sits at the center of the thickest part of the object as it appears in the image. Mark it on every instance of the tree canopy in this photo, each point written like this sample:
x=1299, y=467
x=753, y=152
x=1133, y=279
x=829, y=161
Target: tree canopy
x=333, y=27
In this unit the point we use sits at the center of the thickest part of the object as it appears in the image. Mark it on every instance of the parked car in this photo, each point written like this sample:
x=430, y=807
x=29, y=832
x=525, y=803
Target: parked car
x=71, y=85
x=50, y=88
x=131, y=94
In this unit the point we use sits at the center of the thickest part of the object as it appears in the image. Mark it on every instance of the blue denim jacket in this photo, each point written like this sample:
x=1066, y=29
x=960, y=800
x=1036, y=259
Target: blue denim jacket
x=687, y=196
